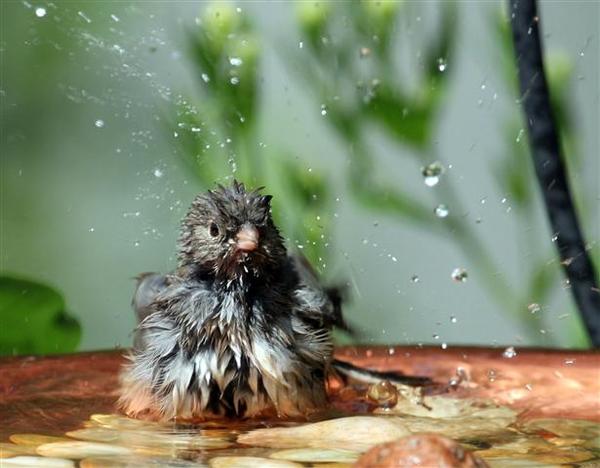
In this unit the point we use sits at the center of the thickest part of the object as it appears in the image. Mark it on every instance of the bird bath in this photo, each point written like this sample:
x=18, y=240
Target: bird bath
x=511, y=408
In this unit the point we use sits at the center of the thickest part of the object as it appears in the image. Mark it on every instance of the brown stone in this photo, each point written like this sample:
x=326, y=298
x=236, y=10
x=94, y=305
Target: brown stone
x=424, y=450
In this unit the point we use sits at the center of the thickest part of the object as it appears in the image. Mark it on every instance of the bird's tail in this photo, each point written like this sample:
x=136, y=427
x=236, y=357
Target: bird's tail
x=372, y=376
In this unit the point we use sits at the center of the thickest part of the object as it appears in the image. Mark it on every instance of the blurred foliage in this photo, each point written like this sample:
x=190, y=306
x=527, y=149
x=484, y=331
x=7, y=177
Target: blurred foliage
x=409, y=116
x=358, y=85
x=218, y=135
x=33, y=319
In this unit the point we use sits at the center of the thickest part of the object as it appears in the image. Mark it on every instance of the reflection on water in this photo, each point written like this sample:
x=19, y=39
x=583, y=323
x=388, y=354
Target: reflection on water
x=495, y=433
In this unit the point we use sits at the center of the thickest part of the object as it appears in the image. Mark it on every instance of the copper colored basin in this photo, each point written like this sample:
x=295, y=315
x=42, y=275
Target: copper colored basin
x=55, y=394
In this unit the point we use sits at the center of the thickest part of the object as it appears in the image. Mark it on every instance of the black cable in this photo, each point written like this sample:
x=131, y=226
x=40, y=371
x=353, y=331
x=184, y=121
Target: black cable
x=545, y=148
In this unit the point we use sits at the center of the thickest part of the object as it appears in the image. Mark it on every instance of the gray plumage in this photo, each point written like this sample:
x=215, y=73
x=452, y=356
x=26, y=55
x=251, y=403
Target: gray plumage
x=238, y=329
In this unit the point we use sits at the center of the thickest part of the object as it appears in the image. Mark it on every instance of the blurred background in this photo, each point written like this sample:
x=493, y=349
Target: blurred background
x=389, y=133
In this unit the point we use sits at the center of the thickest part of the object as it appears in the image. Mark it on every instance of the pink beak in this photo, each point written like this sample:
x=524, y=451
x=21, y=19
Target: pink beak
x=247, y=238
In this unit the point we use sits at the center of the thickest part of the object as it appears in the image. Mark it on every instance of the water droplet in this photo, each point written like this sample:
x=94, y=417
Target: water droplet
x=444, y=345
x=235, y=61
x=453, y=319
x=158, y=173
x=91, y=229
x=441, y=211
x=442, y=65
x=300, y=45
x=40, y=12
x=384, y=394
x=391, y=351
x=436, y=337
x=554, y=237
x=509, y=352
x=459, y=275
x=491, y=375
x=534, y=307
x=99, y=123
x=205, y=77
x=84, y=16
x=529, y=387
x=234, y=80
x=569, y=362
x=364, y=52
x=136, y=243
x=323, y=109
x=519, y=136
x=432, y=173
x=415, y=279
x=115, y=18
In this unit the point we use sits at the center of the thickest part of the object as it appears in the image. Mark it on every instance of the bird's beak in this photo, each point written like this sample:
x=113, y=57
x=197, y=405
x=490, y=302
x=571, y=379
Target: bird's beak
x=247, y=238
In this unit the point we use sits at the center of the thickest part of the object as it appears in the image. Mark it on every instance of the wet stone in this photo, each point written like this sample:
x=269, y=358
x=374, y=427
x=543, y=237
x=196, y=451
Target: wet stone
x=316, y=455
x=351, y=433
x=383, y=394
x=78, y=449
x=250, y=462
x=135, y=461
x=11, y=450
x=34, y=439
x=37, y=461
x=420, y=450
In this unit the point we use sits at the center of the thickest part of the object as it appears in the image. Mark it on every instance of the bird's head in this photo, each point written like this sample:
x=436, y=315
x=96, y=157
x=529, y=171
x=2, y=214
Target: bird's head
x=229, y=232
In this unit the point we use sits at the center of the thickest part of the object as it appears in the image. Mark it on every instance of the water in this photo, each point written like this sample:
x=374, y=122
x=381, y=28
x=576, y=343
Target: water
x=492, y=432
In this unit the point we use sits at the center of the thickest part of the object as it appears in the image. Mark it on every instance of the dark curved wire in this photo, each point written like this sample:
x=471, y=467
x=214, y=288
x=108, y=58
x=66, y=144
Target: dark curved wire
x=545, y=148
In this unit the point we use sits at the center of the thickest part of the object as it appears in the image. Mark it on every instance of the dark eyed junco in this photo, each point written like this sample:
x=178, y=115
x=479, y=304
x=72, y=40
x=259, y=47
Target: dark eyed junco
x=240, y=327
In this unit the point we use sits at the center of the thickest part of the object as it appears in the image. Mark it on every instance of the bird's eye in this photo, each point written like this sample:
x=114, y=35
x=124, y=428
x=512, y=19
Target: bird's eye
x=213, y=229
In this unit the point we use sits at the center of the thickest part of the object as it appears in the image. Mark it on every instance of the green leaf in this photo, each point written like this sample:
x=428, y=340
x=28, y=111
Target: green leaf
x=33, y=319
x=408, y=120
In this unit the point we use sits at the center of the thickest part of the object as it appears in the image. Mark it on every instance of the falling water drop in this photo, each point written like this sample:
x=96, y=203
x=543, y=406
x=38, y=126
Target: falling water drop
x=40, y=12
x=415, y=279
x=534, y=308
x=323, y=109
x=459, y=275
x=99, y=123
x=432, y=173
x=509, y=352
x=235, y=61
x=453, y=319
x=364, y=52
x=158, y=173
x=441, y=211
x=442, y=65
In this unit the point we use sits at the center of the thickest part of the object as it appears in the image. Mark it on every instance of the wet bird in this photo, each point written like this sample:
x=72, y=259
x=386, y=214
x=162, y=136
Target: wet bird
x=240, y=328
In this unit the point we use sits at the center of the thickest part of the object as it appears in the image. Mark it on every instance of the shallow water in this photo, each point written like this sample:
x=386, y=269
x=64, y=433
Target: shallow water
x=493, y=432
x=59, y=411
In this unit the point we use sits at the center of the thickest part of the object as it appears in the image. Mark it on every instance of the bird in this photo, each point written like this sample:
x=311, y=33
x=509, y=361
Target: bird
x=241, y=328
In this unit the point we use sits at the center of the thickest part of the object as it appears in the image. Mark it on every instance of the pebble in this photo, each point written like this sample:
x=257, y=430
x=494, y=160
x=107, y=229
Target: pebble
x=78, y=449
x=357, y=433
x=420, y=450
x=383, y=394
x=45, y=462
x=316, y=455
x=10, y=450
x=190, y=440
x=34, y=439
x=135, y=461
x=250, y=462
x=95, y=434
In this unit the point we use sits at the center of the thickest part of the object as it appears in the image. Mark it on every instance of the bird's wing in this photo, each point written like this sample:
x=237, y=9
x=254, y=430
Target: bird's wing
x=149, y=286
x=335, y=294
x=327, y=300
